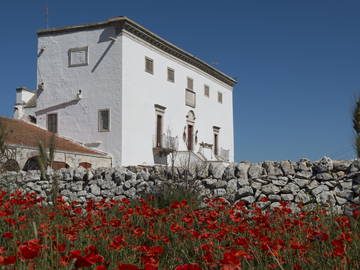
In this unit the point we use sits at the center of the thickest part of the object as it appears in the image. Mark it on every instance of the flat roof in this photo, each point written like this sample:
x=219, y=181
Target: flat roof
x=123, y=23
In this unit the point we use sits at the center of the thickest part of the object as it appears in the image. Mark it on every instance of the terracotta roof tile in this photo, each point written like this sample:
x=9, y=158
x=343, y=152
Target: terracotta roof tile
x=27, y=134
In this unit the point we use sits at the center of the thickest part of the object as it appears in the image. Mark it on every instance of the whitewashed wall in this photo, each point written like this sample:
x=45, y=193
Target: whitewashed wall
x=142, y=90
x=100, y=82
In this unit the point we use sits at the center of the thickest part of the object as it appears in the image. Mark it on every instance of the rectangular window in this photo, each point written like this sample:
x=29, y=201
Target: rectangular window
x=149, y=65
x=171, y=75
x=190, y=84
x=220, y=97
x=78, y=57
x=52, y=124
x=104, y=120
x=206, y=90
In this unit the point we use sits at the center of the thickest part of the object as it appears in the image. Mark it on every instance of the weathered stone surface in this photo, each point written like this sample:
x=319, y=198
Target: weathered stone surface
x=261, y=181
x=211, y=183
x=290, y=188
x=95, y=190
x=324, y=165
x=232, y=186
x=287, y=167
x=346, y=185
x=216, y=170
x=303, y=165
x=272, y=168
x=76, y=186
x=338, y=187
x=301, y=182
x=280, y=182
x=274, y=198
x=355, y=166
x=341, y=165
x=255, y=171
x=248, y=199
x=270, y=189
x=229, y=172
x=340, y=201
x=326, y=197
x=219, y=192
x=319, y=189
x=324, y=177
x=241, y=170
x=243, y=182
x=347, y=194
x=220, y=184
x=287, y=197
x=256, y=185
x=245, y=191
x=304, y=174
x=313, y=184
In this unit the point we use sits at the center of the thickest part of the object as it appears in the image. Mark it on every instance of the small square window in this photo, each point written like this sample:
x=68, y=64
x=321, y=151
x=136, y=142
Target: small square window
x=220, y=97
x=78, y=57
x=206, y=90
x=149, y=65
x=52, y=125
x=171, y=75
x=190, y=83
x=104, y=120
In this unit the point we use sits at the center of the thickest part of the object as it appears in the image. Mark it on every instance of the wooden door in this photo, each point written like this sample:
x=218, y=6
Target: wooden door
x=158, y=130
x=190, y=137
x=216, y=146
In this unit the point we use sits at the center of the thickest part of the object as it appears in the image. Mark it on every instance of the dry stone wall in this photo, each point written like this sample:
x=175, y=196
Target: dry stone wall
x=326, y=182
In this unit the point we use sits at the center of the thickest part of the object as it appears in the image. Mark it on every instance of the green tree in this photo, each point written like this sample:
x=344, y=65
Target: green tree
x=46, y=156
x=356, y=126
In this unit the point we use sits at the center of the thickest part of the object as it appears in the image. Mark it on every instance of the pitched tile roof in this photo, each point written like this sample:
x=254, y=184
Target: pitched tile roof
x=27, y=134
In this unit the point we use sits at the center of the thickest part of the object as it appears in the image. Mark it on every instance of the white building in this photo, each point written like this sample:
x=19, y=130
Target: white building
x=119, y=88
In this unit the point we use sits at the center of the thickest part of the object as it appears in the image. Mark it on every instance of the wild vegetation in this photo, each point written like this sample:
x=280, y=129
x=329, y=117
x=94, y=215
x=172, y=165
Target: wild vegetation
x=171, y=234
x=356, y=126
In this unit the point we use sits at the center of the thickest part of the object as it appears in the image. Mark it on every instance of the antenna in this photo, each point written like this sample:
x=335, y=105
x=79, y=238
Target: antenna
x=46, y=15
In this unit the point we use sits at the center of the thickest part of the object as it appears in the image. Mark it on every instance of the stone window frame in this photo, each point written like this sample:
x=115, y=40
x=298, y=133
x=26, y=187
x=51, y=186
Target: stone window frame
x=159, y=111
x=216, y=134
x=149, y=68
x=86, y=49
x=100, y=127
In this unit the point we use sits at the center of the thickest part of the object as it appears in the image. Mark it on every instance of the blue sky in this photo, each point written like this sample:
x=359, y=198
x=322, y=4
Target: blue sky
x=297, y=62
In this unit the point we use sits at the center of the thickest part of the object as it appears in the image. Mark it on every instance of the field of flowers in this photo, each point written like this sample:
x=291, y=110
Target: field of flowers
x=137, y=235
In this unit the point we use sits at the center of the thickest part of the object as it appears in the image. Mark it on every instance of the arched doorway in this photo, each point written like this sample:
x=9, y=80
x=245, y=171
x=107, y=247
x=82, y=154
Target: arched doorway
x=31, y=164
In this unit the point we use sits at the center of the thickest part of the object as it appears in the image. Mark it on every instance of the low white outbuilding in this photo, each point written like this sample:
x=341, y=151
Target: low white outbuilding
x=119, y=88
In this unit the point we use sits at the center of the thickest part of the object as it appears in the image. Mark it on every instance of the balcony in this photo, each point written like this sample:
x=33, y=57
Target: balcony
x=164, y=144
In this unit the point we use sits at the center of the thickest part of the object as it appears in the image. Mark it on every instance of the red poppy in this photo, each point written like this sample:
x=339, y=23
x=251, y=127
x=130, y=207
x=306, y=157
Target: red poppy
x=191, y=266
x=8, y=235
x=30, y=249
x=7, y=260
